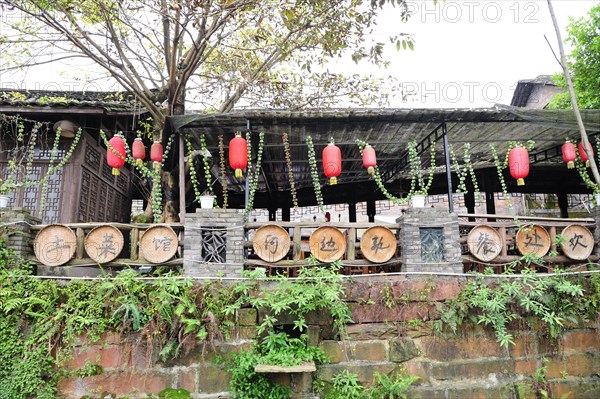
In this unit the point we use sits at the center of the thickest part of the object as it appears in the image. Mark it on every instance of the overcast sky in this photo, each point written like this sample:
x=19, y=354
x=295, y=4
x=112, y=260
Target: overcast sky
x=467, y=53
x=472, y=53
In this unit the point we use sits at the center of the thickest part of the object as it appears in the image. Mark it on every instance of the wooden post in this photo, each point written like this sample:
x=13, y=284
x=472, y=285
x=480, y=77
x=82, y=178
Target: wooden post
x=297, y=250
x=272, y=214
x=285, y=213
x=563, y=204
x=352, y=212
x=134, y=237
x=371, y=210
x=80, y=236
x=351, y=243
x=470, y=202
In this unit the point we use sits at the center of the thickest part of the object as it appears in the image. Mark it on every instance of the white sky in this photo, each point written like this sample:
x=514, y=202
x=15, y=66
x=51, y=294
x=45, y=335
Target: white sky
x=472, y=53
x=467, y=53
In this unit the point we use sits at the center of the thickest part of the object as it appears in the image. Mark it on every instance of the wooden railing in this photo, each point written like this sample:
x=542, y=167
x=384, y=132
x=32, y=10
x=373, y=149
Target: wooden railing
x=130, y=255
x=507, y=228
x=300, y=232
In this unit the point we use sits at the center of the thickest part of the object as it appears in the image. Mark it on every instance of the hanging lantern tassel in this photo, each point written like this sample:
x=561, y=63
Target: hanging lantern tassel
x=583, y=155
x=139, y=151
x=115, y=154
x=238, y=155
x=518, y=163
x=332, y=162
x=156, y=154
x=568, y=154
x=369, y=159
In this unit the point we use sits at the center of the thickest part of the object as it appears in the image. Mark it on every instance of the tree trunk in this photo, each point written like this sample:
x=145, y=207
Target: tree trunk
x=584, y=136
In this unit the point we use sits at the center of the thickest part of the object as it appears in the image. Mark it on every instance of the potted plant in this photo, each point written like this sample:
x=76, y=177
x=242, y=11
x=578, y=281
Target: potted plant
x=417, y=199
x=6, y=187
x=207, y=199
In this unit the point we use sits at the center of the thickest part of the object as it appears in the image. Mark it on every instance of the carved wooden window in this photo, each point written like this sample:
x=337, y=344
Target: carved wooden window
x=432, y=244
x=214, y=245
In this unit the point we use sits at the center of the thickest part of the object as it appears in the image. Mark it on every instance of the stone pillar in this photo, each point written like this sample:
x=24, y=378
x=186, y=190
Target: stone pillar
x=430, y=241
x=16, y=230
x=214, y=241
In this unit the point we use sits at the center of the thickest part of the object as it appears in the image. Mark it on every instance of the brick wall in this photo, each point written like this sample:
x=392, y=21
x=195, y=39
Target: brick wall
x=15, y=224
x=229, y=222
x=382, y=339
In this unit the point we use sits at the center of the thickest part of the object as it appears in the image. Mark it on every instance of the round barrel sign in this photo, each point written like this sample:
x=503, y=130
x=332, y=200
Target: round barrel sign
x=55, y=245
x=533, y=240
x=484, y=243
x=378, y=244
x=577, y=242
x=104, y=243
x=327, y=244
x=271, y=243
x=158, y=244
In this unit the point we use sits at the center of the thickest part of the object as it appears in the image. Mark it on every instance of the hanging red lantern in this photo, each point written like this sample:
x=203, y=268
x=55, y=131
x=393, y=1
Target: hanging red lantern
x=139, y=151
x=369, y=159
x=518, y=163
x=115, y=154
x=569, y=155
x=156, y=154
x=332, y=162
x=583, y=155
x=238, y=154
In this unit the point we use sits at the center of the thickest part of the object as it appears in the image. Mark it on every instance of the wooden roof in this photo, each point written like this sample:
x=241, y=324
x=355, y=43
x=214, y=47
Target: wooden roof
x=388, y=131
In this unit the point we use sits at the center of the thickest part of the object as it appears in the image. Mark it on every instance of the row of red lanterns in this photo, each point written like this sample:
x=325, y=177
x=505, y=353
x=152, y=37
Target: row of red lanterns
x=116, y=154
x=518, y=157
x=518, y=160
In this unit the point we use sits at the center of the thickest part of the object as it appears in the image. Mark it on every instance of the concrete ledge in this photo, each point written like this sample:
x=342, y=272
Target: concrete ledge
x=307, y=367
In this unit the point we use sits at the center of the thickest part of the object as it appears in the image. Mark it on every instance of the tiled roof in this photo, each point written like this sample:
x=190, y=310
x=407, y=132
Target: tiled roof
x=109, y=101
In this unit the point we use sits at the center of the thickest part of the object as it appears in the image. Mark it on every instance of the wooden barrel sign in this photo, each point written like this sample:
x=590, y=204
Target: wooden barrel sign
x=271, y=243
x=327, y=244
x=484, y=243
x=577, y=242
x=378, y=244
x=158, y=244
x=104, y=243
x=533, y=240
x=55, y=245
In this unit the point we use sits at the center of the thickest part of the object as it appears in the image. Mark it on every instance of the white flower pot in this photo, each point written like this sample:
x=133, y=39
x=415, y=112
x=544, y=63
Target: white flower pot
x=207, y=201
x=4, y=201
x=417, y=201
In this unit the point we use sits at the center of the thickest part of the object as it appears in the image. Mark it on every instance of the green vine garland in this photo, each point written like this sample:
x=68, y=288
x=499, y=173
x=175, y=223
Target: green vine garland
x=465, y=170
x=416, y=172
x=253, y=170
x=314, y=172
x=288, y=160
x=193, y=174
x=377, y=177
x=223, y=170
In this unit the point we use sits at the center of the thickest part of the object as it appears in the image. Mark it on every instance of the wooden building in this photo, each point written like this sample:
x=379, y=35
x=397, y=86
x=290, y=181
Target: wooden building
x=84, y=189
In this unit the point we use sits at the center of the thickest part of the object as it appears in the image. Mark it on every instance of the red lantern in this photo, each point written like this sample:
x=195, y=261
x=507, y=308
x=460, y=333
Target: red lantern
x=369, y=159
x=238, y=154
x=115, y=154
x=583, y=155
x=156, y=154
x=569, y=155
x=332, y=162
x=518, y=163
x=139, y=151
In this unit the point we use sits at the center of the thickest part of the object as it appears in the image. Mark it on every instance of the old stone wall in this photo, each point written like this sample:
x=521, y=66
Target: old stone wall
x=15, y=228
x=213, y=243
x=392, y=330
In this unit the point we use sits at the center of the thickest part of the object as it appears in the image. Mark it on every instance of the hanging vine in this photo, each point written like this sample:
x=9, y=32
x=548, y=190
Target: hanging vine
x=314, y=172
x=253, y=170
x=223, y=170
x=418, y=184
x=288, y=160
x=206, y=165
x=377, y=177
x=193, y=174
x=465, y=170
